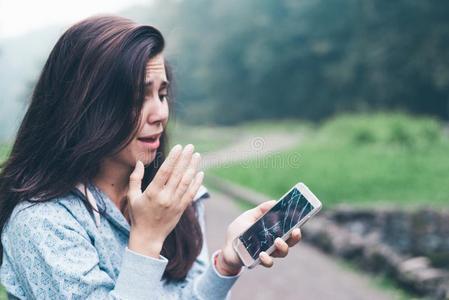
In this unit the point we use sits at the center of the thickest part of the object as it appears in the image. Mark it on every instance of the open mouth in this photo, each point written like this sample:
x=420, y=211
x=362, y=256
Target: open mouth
x=148, y=139
x=151, y=141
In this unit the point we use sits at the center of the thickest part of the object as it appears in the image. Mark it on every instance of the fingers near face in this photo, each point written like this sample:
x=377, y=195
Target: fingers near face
x=193, y=189
x=167, y=167
x=189, y=175
x=180, y=167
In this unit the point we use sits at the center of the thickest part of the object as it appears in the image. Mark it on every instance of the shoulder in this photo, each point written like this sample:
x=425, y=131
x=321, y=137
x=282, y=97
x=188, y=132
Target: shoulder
x=33, y=220
x=55, y=208
x=28, y=212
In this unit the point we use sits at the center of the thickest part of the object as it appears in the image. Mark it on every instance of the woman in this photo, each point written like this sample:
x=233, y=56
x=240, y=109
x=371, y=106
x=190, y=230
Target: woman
x=89, y=205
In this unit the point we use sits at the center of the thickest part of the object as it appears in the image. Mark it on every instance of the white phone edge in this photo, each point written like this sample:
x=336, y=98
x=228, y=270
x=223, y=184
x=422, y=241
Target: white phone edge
x=241, y=251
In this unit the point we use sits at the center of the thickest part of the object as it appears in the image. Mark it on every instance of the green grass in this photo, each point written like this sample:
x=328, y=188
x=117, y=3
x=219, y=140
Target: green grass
x=269, y=126
x=385, y=159
x=3, y=295
x=242, y=204
x=4, y=151
x=204, y=138
x=212, y=138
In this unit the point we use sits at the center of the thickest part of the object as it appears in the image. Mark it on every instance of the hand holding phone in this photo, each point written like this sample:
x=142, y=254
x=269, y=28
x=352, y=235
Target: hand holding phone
x=291, y=211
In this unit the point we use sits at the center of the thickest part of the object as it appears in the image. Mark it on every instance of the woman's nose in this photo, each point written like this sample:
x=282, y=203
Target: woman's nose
x=158, y=112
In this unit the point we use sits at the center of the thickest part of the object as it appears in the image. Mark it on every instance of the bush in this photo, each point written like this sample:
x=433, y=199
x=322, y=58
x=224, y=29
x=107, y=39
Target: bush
x=397, y=130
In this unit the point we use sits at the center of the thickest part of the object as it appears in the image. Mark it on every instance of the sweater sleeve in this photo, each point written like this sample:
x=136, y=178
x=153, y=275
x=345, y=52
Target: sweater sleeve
x=203, y=280
x=57, y=260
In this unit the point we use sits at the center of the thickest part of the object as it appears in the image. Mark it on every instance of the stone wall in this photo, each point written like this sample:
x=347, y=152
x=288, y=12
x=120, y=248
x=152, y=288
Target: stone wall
x=418, y=233
x=412, y=247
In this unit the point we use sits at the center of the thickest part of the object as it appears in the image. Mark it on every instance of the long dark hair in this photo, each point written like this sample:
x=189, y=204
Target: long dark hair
x=85, y=107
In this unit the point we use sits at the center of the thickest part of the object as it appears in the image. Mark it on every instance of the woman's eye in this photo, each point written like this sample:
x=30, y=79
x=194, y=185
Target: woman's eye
x=162, y=97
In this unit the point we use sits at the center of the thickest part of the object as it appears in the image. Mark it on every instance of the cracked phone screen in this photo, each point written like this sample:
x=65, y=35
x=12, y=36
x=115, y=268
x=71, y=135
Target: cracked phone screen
x=276, y=222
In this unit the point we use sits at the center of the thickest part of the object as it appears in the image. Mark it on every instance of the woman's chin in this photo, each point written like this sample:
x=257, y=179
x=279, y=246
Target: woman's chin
x=146, y=158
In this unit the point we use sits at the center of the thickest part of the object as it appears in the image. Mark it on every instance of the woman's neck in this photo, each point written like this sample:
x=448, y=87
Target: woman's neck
x=113, y=180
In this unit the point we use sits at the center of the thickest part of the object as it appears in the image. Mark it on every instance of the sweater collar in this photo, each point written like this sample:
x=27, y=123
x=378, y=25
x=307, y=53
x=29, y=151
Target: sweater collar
x=109, y=209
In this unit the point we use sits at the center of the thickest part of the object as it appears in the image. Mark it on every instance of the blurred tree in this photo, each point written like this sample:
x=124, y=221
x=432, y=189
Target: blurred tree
x=240, y=60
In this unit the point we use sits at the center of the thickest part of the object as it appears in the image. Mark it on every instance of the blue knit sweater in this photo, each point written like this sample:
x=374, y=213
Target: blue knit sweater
x=56, y=250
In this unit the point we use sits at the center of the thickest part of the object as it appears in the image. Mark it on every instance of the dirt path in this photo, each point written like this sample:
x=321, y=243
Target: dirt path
x=251, y=146
x=306, y=273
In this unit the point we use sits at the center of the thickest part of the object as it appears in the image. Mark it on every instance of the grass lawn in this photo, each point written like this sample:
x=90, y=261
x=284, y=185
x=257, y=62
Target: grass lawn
x=4, y=150
x=385, y=159
x=212, y=138
x=3, y=295
x=204, y=138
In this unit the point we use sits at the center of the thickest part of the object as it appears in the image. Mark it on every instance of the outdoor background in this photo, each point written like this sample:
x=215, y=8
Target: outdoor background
x=360, y=87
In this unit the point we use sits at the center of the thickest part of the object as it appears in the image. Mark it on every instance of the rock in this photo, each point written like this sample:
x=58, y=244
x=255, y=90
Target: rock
x=414, y=264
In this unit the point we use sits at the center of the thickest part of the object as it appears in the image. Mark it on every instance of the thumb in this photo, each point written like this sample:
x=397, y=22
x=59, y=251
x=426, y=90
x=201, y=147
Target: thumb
x=135, y=180
x=262, y=208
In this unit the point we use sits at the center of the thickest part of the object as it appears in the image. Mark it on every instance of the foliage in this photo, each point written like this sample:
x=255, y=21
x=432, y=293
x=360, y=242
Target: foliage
x=309, y=59
x=359, y=160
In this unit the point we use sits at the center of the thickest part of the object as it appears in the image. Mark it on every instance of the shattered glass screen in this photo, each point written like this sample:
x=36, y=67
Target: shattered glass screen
x=278, y=221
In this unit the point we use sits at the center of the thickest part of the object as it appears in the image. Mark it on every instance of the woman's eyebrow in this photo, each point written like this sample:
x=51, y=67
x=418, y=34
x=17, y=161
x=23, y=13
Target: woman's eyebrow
x=164, y=83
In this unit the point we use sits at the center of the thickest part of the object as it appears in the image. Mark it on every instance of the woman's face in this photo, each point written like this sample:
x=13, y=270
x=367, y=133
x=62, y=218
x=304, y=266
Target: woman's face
x=154, y=116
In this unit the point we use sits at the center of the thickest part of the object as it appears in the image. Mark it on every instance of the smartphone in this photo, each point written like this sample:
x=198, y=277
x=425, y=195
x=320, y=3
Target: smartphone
x=292, y=210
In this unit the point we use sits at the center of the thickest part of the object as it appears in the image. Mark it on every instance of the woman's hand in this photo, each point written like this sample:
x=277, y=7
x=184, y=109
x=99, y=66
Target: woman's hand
x=156, y=211
x=228, y=262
